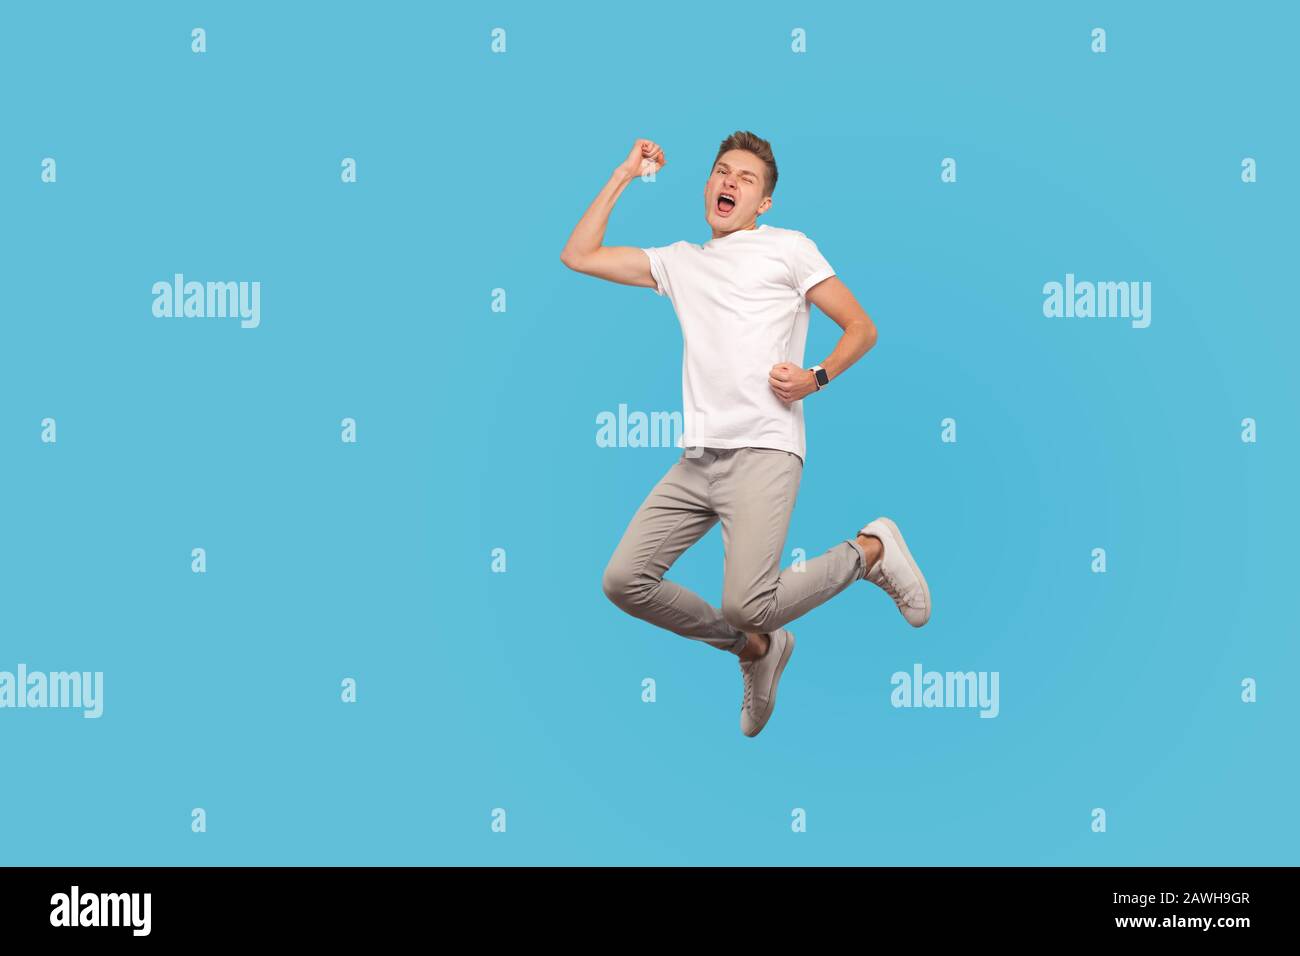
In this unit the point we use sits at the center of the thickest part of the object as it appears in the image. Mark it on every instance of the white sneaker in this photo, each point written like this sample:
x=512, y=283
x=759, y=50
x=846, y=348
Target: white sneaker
x=761, y=677
x=896, y=573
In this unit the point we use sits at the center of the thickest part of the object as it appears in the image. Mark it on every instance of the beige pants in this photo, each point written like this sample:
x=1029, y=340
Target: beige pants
x=752, y=492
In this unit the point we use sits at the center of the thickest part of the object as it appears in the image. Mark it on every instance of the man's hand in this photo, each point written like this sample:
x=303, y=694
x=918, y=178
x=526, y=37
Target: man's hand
x=790, y=382
x=646, y=157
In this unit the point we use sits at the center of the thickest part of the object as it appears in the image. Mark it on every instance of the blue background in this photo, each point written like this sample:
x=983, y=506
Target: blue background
x=476, y=430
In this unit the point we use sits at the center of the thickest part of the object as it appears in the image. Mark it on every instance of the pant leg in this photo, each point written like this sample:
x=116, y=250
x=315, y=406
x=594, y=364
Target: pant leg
x=675, y=515
x=754, y=495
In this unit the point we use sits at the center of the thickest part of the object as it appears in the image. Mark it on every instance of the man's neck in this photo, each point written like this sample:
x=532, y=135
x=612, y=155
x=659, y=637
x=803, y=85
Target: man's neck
x=719, y=235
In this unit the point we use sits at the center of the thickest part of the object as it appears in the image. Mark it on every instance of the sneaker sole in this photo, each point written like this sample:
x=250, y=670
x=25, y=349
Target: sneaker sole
x=898, y=537
x=776, y=682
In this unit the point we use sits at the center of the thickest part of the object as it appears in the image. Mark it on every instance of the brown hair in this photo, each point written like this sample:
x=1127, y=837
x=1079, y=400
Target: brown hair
x=752, y=143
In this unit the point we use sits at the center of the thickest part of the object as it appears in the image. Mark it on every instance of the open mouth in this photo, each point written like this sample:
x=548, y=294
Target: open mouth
x=725, y=204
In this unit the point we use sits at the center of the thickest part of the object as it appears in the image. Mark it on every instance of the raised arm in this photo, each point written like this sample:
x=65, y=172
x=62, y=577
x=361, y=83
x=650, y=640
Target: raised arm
x=584, y=252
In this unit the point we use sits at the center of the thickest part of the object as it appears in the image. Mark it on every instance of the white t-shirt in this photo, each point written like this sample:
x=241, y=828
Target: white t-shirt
x=740, y=301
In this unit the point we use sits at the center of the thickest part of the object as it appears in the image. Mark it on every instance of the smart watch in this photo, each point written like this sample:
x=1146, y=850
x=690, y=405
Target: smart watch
x=822, y=378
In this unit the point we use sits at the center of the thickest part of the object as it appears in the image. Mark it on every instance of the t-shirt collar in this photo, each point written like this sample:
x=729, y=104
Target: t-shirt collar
x=761, y=226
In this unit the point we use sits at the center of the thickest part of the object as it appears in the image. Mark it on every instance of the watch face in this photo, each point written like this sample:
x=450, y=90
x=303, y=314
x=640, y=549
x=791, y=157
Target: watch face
x=822, y=377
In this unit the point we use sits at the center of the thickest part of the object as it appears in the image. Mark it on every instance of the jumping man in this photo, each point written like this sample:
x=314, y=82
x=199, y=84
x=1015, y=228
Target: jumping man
x=742, y=300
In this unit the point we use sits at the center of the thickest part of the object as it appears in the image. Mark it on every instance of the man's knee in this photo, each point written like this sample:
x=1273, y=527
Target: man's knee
x=748, y=614
x=619, y=584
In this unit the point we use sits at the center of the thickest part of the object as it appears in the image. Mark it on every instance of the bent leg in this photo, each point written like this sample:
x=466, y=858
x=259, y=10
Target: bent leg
x=673, y=516
x=755, y=499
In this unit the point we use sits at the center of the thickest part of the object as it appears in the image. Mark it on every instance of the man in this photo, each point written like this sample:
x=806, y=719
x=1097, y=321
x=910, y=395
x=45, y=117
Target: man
x=742, y=300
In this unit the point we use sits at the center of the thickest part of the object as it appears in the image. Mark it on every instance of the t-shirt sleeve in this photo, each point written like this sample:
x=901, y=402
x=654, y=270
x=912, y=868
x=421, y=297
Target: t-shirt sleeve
x=807, y=265
x=659, y=257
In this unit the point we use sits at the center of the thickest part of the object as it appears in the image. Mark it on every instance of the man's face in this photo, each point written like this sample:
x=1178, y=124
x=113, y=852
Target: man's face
x=739, y=175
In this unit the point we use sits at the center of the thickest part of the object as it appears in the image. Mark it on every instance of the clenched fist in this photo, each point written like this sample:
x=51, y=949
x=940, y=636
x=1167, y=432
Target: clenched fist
x=790, y=382
x=646, y=157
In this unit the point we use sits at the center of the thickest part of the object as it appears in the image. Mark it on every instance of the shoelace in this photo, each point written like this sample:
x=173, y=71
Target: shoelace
x=747, y=669
x=892, y=587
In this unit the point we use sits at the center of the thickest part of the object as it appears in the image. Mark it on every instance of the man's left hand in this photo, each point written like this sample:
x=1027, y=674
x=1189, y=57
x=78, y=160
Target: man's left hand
x=790, y=382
